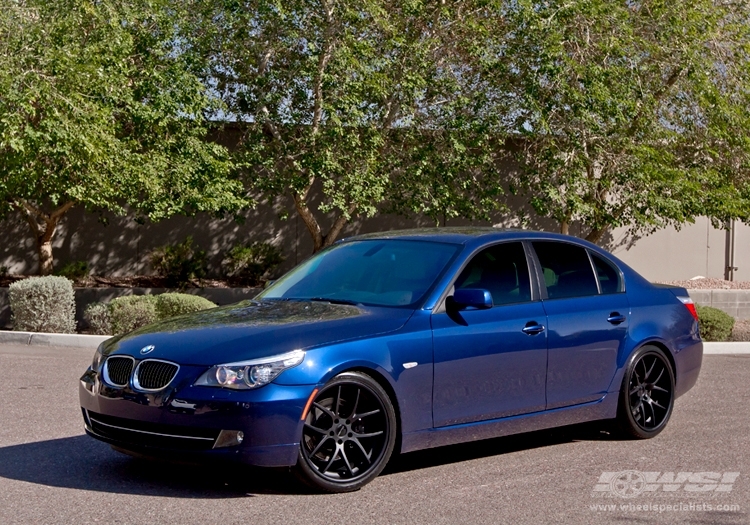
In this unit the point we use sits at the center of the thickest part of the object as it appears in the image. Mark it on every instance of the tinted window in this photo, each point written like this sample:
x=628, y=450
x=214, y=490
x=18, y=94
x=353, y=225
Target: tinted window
x=377, y=272
x=609, y=276
x=500, y=269
x=567, y=270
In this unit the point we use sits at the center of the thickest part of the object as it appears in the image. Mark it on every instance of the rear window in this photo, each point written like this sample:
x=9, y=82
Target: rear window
x=567, y=270
x=609, y=276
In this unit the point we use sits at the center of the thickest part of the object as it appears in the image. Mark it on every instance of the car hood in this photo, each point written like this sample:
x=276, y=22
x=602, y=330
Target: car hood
x=254, y=329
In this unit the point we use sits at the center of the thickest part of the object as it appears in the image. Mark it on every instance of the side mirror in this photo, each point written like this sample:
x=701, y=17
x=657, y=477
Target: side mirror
x=472, y=297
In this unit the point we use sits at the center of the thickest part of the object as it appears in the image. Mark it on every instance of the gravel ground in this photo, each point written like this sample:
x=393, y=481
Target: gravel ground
x=709, y=283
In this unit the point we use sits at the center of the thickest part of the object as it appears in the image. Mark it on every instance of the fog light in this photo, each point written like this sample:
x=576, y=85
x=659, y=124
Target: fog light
x=229, y=438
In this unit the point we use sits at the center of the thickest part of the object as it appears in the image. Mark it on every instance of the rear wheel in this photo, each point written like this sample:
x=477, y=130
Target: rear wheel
x=647, y=394
x=348, y=435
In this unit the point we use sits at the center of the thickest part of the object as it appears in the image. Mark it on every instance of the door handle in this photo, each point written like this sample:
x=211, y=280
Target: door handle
x=616, y=318
x=532, y=328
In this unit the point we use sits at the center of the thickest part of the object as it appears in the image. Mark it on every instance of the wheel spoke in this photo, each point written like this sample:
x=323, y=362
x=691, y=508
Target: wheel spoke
x=656, y=403
x=364, y=452
x=370, y=434
x=660, y=374
x=324, y=409
x=650, y=369
x=346, y=461
x=316, y=429
x=356, y=404
x=660, y=389
x=338, y=401
x=319, y=445
x=330, y=461
x=634, y=390
x=653, y=414
x=365, y=414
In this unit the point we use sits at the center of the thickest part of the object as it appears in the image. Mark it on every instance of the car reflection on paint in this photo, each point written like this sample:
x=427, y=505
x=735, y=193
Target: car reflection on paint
x=400, y=341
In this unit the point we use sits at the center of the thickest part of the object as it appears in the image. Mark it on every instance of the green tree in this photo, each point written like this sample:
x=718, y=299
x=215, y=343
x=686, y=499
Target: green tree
x=629, y=113
x=99, y=109
x=352, y=98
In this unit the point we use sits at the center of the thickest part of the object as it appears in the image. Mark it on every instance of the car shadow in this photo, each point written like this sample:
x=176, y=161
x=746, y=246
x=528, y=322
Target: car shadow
x=82, y=463
x=595, y=431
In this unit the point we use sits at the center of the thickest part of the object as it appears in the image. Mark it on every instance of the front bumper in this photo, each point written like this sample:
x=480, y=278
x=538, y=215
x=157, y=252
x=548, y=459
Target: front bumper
x=185, y=421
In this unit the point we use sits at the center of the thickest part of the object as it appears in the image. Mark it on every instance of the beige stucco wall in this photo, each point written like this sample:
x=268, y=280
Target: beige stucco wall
x=121, y=246
x=696, y=249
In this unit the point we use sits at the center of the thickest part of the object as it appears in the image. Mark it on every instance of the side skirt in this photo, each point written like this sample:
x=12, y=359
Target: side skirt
x=604, y=408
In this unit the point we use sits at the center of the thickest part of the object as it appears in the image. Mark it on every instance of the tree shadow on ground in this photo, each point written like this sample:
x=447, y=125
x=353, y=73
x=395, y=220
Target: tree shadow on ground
x=82, y=463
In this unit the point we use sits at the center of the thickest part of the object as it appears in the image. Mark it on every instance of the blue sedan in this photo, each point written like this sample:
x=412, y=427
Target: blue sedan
x=401, y=341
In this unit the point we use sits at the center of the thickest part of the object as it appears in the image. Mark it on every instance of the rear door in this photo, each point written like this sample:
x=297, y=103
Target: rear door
x=587, y=316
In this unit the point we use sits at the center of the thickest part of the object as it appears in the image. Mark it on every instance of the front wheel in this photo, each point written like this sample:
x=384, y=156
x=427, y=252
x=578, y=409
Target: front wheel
x=647, y=394
x=348, y=434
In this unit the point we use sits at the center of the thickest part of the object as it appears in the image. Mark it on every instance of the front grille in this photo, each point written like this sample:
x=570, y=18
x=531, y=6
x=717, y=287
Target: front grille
x=154, y=375
x=117, y=370
x=142, y=434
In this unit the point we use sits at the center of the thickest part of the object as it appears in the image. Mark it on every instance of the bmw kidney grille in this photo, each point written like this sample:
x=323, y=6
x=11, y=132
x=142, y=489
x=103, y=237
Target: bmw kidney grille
x=153, y=374
x=150, y=375
x=117, y=370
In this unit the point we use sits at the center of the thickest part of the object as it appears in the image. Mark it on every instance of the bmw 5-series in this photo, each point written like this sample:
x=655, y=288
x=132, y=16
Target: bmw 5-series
x=394, y=342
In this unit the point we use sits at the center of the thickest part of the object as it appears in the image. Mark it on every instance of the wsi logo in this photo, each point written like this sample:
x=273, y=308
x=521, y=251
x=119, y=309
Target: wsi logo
x=631, y=483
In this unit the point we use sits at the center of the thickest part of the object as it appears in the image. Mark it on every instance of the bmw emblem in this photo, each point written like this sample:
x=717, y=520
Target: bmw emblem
x=147, y=349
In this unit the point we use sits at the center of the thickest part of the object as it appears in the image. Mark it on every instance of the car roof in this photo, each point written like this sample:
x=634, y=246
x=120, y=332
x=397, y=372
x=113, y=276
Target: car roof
x=464, y=234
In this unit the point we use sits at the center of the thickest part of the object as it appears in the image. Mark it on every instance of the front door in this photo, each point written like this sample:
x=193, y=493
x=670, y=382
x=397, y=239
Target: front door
x=491, y=363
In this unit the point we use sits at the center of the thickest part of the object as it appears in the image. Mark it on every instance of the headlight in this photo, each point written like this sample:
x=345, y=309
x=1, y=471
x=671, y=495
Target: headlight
x=246, y=375
x=96, y=363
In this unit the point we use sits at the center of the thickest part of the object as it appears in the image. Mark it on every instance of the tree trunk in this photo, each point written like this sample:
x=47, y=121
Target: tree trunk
x=595, y=235
x=320, y=241
x=564, y=227
x=43, y=228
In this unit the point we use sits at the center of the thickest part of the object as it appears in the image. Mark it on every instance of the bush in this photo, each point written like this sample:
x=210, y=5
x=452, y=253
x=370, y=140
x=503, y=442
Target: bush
x=98, y=318
x=179, y=263
x=4, y=271
x=43, y=304
x=131, y=312
x=173, y=304
x=74, y=270
x=715, y=325
x=250, y=264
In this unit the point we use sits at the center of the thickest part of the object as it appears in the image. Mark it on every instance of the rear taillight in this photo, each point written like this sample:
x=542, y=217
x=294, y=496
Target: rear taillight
x=690, y=305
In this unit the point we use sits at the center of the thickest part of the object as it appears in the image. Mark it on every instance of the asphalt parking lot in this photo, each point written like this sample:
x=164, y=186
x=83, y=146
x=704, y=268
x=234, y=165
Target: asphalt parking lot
x=50, y=472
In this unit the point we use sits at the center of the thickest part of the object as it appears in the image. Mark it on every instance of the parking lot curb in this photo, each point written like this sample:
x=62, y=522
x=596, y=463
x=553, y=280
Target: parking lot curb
x=726, y=348
x=40, y=339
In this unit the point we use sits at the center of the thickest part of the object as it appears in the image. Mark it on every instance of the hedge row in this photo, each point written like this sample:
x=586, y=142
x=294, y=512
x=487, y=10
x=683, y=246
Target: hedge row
x=47, y=304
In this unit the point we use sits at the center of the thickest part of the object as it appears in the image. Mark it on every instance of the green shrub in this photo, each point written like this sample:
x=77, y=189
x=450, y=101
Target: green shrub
x=131, y=312
x=4, y=271
x=98, y=318
x=173, y=304
x=715, y=325
x=74, y=270
x=43, y=304
x=179, y=263
x=250, y=264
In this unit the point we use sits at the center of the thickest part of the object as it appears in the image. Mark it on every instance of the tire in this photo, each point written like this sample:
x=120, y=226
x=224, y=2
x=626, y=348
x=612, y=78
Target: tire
x=647, y=394
x=348, y=434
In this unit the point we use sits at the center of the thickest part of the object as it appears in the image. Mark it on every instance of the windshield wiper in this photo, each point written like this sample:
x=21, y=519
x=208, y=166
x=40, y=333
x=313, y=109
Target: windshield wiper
x=334, y=301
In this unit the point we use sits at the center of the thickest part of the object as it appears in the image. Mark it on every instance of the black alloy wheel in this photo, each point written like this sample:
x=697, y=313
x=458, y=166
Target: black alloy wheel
x=647, y=394
x=348, y=435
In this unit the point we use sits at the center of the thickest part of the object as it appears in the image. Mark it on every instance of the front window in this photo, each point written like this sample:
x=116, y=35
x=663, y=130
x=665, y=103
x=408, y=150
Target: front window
x=379, y=272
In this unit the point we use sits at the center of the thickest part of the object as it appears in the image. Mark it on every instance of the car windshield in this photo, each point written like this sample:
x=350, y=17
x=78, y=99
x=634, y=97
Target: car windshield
x=372, y=272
